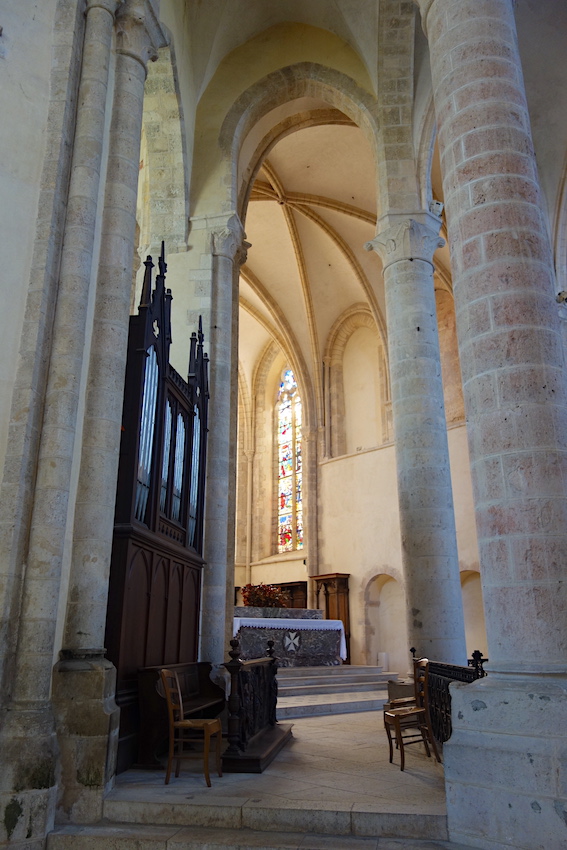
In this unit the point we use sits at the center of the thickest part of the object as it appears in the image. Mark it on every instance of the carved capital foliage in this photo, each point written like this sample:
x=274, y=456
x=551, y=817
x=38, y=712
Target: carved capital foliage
x=138, y=30
x=406, y=240
x=230, y=241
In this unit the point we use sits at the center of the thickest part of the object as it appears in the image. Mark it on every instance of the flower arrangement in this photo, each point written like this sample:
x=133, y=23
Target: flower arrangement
x=264, y=596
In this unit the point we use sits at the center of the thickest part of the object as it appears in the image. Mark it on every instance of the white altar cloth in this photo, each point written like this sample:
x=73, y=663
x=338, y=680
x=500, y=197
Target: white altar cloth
x=291, y=625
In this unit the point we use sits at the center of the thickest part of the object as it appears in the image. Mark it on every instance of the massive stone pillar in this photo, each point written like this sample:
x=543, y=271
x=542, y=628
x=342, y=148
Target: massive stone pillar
x=228, y=248
x=84, y=681
x=427, y=520
x=29, y=748
x=508, y=754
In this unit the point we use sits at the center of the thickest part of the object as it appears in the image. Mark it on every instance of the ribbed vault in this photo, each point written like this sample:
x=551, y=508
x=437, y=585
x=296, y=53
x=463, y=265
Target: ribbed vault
x=311, y=206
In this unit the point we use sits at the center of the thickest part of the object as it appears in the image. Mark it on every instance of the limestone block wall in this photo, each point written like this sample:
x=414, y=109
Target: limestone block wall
x=25, y=66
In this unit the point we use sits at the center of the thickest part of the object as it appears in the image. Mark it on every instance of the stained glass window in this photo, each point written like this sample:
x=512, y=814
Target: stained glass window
x=290, y=491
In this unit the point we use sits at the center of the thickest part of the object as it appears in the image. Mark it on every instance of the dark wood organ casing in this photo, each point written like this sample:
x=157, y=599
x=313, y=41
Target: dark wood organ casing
x=156, y=564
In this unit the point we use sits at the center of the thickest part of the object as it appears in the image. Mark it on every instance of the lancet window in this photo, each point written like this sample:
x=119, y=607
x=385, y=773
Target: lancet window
x=290, y=482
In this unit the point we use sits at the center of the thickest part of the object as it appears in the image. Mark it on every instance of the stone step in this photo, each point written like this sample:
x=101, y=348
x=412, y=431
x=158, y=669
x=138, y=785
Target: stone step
x=300, y=687
x=319, y=705
x=320, y=691
x=120, y=836
x=172, y=806
x=338, y=670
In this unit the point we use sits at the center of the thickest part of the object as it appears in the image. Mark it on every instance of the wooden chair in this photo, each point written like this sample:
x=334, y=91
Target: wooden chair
x=179, y=727
x=410, y=720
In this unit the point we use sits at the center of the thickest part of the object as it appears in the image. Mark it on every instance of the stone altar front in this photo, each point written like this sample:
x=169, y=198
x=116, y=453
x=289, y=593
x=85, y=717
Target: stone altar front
x=298, y=642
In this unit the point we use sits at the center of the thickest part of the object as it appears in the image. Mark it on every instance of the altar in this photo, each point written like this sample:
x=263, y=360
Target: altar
x=298, y=642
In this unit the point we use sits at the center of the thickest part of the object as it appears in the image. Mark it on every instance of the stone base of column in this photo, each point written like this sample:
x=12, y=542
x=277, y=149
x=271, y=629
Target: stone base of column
x=27, y=775
x=506, y=763
x=87, y=718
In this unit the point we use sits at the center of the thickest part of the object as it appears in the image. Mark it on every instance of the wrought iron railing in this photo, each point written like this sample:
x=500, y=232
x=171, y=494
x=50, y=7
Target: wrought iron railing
x=253, y=697
x=440, y=677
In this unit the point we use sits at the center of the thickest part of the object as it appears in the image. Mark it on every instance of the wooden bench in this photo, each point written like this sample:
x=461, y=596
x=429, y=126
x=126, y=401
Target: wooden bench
x=201, y=698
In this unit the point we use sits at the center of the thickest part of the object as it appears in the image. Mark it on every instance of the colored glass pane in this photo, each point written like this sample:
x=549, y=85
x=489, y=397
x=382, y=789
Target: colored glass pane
x=289, y=416
x=299, y=529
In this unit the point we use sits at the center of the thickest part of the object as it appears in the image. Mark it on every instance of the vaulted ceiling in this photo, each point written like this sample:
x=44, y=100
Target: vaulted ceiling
x=311, y=209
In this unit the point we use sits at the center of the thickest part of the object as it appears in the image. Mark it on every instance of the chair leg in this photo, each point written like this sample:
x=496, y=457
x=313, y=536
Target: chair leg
x=400, y=742
x=389, y=734
x=425, y=736
x=219, y=742
x=179, y=752
x=206, y=755
x=169, y=758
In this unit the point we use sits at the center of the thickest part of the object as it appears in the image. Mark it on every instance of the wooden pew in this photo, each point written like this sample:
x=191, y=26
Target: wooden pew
x=201, y=698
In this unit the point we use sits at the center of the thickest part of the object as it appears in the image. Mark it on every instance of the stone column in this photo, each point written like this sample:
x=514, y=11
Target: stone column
x=249, y=455
x=508, y=751
x=311, y=447
x=327, y=398
x=84, y=681
x=228, y=247
x=30, y=750
x=427, y=519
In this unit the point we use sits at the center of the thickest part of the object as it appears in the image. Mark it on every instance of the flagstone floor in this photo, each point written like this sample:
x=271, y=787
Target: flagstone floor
x=332, y=784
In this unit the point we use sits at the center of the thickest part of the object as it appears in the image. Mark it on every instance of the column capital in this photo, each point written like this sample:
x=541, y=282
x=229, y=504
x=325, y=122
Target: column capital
x=138, y=30
x=110, y=6
x=407, y=237
x=230, y=241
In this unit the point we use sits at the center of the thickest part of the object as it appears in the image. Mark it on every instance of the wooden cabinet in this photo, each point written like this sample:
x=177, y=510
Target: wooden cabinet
x=332, y=597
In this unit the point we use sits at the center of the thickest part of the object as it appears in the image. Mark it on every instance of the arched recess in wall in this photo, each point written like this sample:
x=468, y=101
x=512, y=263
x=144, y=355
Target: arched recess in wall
x=386, y=629
x=357, y=379
x=473, y=608
x=163, y=202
